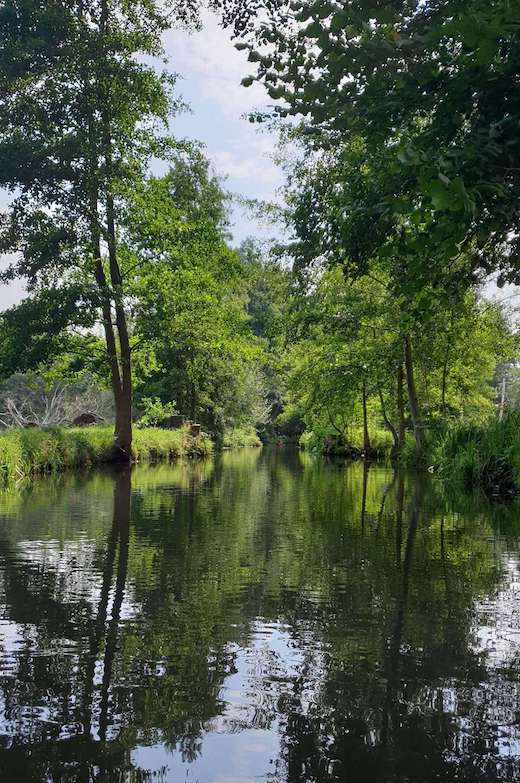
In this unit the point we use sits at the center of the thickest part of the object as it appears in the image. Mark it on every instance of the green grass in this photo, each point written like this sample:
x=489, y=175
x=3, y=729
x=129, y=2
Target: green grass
x=241, y=438
x=24, y=452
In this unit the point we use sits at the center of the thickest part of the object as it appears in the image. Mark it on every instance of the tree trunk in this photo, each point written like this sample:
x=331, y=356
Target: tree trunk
x=367, y=448
x=106, y=308
x=123, y=429
x=123, y=401
x=400, y=406
x=388, y=423
x=412, y=395
x=118, y=376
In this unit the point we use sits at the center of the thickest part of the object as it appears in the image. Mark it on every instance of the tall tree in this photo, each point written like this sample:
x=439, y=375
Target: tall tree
x=78, y=114
x=82, y=115
x=436, y=85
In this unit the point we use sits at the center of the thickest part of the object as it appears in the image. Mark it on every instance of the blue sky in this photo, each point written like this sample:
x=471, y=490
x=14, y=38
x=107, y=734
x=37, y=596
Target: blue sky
x=210, y=71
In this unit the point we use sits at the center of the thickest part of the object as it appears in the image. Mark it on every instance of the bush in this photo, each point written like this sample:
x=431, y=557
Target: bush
x=240, y=438
x=24, y=452
x=155, y=411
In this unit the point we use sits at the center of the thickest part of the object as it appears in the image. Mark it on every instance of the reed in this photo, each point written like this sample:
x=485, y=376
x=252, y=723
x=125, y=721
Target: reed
x=486, y=455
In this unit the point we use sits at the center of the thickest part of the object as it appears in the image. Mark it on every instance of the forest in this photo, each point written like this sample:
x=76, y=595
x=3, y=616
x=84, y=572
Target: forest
x=378, y=323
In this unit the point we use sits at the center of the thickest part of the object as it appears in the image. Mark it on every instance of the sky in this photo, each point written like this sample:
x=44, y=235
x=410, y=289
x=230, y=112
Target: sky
x=210, y=70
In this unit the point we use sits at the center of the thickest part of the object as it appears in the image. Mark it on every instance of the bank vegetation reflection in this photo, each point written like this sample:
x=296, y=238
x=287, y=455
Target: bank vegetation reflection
x=132, y=602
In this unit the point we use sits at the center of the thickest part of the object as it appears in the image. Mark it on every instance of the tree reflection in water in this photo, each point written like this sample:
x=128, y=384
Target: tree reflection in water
x=261, y=615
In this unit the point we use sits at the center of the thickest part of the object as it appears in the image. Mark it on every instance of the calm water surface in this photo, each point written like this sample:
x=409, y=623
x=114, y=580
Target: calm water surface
x=262, y=617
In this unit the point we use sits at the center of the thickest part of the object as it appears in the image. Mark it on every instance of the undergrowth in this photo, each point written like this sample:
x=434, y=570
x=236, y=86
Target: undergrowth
x=485, y=455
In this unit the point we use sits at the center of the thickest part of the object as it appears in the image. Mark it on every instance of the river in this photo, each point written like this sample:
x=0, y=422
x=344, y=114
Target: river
x=260, y=616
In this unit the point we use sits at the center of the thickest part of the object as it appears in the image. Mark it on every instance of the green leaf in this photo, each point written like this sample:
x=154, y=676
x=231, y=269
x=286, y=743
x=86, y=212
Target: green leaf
x=314, y=30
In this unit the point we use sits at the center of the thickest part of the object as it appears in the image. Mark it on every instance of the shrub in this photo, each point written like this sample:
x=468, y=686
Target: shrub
x=241, y=437
x=155, y=411
x=327, y=443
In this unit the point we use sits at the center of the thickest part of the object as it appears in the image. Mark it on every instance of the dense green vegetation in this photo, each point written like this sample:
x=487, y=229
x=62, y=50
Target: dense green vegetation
x=406, y=192
x=366, y=331
x=25, y=452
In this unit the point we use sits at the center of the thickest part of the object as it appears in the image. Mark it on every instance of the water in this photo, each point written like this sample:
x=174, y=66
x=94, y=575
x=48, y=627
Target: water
x=262, y=617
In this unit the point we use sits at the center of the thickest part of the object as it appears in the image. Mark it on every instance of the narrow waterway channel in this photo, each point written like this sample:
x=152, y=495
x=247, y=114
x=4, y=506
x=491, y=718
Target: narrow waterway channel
x=261, y=616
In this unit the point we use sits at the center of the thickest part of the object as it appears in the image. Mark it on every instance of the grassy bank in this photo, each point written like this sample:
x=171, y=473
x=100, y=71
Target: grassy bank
x=24, y=452
x=332, y=445
x=241, y=438
x=486, y=455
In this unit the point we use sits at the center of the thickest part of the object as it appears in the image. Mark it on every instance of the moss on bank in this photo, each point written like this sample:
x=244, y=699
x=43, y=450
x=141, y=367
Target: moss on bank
x=24, y=452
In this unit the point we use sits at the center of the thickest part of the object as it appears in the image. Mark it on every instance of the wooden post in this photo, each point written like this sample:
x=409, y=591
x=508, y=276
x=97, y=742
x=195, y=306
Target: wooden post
x=502, y=401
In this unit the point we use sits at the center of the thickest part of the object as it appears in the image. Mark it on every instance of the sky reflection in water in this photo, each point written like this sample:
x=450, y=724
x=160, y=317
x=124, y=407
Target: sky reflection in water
x=263, y=616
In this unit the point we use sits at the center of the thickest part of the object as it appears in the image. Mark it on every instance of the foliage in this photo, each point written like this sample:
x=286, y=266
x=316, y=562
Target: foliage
x=401, y=196
x=407, y=167
x=79, y=79
x=191, y=293
x=269, y=293
x=320, y=440
x=240, y=438
x=155, y=411
x=486, y=454
x=433, y=87
x=349, y=345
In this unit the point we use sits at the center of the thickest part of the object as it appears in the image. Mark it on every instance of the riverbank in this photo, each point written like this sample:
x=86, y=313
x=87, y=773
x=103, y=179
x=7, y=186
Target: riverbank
x=352, y=447
x=485, y=455
x=26, y=452
x=241, y=438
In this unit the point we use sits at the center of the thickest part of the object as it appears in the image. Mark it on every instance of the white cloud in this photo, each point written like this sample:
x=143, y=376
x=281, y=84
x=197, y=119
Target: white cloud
x=248, y=160
x=212, y=70
x=210, y=57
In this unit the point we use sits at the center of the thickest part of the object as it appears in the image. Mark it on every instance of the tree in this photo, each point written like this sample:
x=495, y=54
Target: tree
x=81, y=115
x=189, y=294
x=87, y=105
x=435, y=86
x=269, y=296
x=347, y=362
